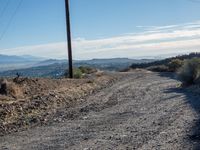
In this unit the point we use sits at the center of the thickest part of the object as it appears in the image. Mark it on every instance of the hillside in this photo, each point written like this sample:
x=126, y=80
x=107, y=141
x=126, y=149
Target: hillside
x=164, y=62
x=57, y=68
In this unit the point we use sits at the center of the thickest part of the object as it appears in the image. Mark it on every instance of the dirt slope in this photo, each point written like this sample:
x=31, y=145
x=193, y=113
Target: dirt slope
x=28, y=102
x=143, y=111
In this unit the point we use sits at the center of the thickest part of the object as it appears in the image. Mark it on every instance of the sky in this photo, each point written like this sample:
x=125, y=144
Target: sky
x=100, y=28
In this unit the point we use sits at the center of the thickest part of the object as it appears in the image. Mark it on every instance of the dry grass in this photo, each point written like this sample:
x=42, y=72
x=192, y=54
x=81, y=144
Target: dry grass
x=9, y=88
x=33, y=101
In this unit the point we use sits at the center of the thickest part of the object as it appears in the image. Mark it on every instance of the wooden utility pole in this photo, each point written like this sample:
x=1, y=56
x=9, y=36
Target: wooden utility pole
x=69, y=39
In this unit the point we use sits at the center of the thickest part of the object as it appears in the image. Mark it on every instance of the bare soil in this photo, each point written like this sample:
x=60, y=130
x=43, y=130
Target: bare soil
x=27, y=102
x=143, y=110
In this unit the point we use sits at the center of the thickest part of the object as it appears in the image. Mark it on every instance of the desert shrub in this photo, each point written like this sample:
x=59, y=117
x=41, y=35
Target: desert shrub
x=77, y=73
x=189, y=73
x=175, y=64
x=81, y=72
x=87, y=70
x=10, y=89
x=160, y=68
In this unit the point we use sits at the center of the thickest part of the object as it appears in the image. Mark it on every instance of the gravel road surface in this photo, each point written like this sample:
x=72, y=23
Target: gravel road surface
x=144, y=110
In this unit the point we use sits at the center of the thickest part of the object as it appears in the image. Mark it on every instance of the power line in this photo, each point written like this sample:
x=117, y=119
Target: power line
x=11, y=19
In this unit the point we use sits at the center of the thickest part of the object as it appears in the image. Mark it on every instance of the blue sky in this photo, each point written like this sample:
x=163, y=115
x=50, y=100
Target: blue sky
x=100, y=28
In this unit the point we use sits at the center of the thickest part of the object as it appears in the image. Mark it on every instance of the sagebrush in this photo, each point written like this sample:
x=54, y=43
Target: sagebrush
x=175, y=65
x=189, y=73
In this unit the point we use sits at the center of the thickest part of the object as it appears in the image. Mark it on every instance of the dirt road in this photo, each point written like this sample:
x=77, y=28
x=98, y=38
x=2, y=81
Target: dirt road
x=144, y=110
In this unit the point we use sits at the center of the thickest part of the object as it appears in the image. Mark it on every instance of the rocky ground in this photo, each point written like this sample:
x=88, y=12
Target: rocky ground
x=142, y=110
x=26, y=102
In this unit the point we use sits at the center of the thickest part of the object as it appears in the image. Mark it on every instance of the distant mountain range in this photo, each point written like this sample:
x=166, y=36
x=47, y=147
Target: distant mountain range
x=4, y=59
x=21, y=62
x=38, y=67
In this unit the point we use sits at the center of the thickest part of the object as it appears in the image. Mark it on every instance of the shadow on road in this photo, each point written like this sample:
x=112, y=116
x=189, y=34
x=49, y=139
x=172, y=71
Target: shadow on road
x=194, y=100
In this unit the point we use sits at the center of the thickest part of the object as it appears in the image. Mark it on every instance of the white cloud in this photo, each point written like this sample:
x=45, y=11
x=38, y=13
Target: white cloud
x=155, y=40
x=53, y=50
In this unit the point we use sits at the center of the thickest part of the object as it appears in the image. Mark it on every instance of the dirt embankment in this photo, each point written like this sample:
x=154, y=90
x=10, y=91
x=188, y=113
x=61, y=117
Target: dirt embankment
x=26, y=102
